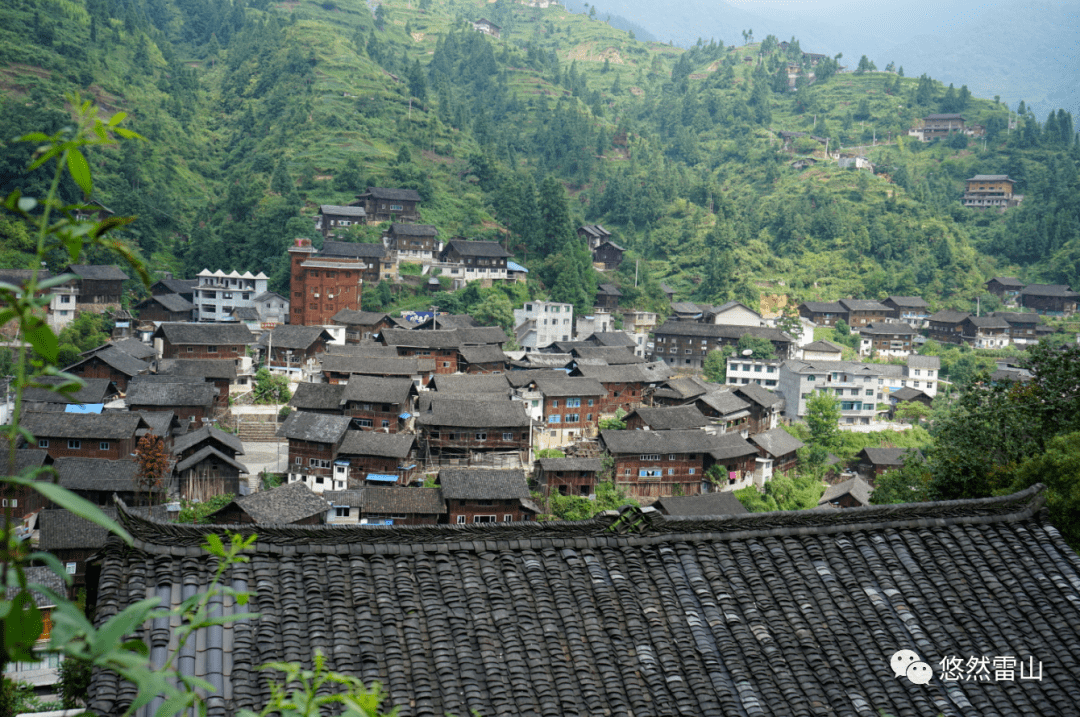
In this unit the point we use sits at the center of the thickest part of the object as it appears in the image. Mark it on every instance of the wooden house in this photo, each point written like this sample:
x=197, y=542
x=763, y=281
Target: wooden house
x=625, y=385
x=375, y=458
x=73, y=540
x=383, y=204
x=112, y=364
x=190, y=397
x=777, y=452
x=185, y=288
x=569, y=409
x=947, y=326
x=99, y=479
x=474, y=260
x=457, y=428
x=487, y=27
x=765, y=406
x=985, y=332
x=481, y=495
x=333, y=218
x=665, y=418
x=1050, y=299
x=378, y=403
x=594, y=234
x=486, y=359
x=338, y=256
x=991, y=191
x=290, y=348
x=1006, y=288
x=607, y=297
x=724, y=408
x=97, y=285
x=861, y=312
x=823, y=313
x=912, y=310
x=165, y=308
x=203, y=341
x=314, y=441
x=337, y=368
x=1024, y=328
x=852, y=493
x=687, y=506
x=22, y=499
x=568, y=476
x=94, y=392
x=321, y=286
x=220, y=372
x=608, y=255
x=207, y=465
x=875, y=462
x=361, y=325
x=416, y=243
x=323, y=398
x=111, y=435
x=389, y=505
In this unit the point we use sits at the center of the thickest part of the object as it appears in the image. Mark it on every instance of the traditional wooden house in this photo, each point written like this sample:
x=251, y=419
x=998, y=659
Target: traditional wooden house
x=202, y=341
x=680, y=390
x=361, y=325
x=684, y=344
x=823, y=313
x=875, y=462
x=766, y=407
x=333, y=218
x=861, y=312
x=289, y=504
x=991, y=191
x=569, y=409
x=625, y=385
x=1050, y=299
x=985, y=332
x=487, y=359
x=185, y=288
x=594, y=234
x=777, y=452
x=323, y=398
x=487, y=27
x=441, y=346
x=338, y=368
x=74, y=541
x=852, y=493
x=947, y=326
x=665, y=418
x=378, y=505
x=1024, y=328
x=1007, y=288
x=568, y=476
x=290, y=348
x=467, y=261
x=207, y=465
x=374, y=458
x=22, y=499
x=99, y=479
x=165, y=307
x=190, y=397
x=97, y=285
x=314, y=442
x=912, y=310
x=375, y=265
x=383, y=204
x=907, y=395
x=111, y=364
x=480, y=495
x=607, y=297
x=471, y=386
x=219, y=372
x=724, y=408
x=456, y=428
x=93, y=393
x=887, y=338
x=416, y=243
x=110, y=435
x=608, y=255
x=379, y=404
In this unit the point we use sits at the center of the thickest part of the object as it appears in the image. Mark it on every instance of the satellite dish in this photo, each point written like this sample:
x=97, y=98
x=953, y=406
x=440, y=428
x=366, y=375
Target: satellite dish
x=748, y=352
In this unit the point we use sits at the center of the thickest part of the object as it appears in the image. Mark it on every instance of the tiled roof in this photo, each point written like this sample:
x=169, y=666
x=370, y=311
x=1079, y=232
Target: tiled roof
x=608, y=290
x=692, y=328
x=909, y=302
x=282, y=505
x=373, y=389
x=488, y=353
x=434, y=339
x=349, y=317
x=170, y=302
x=376, y=366
x=44, y=576
x=889, y=456
x=877, y=328
x=318, y=396
x=916, y=361
x=290, y=336
x=520, y=379
x=947, y=316
x=60, y=529
x=571, y=464
x=859, y=489
x=683, y=388
x=98, y=474
x=825, y=307
x=24, y=458
x=685, y=307
x=178, y=286
x=482, y=484
x=554, y=386
x=613, y=355
x=123, y=362
x=160, y=393
x=94, y=390
x=487, y=249
x=449, y=321
x=863, y=305
x=1008, y=281
x=988, y=322
x=755, y=393
x=986, y=177
x=109, y=425
x=612, y=338
x=776, y=442
x=314, y=427
x=907, y=393
x=824, y=346
x=97, y=272
x=342, y=211
x=373, y=443
x=403, y=501
x=1061, y=290
x=160, y=422
x=674, y=417
x=205, y=334
x=731, y=445
x=465, y=413
x=205, y=368
x=723, y=503
x=393, y=194
x=481, y=335
x=688, y=441
x=350, y=498
x=208, y=434
x=470, y=385
x=134, y=347
x=624, y=373
x=724, y=402
x=348, y=249
x=209, y=452
x=1013, y=317
x=788, y=613
x=414, y=230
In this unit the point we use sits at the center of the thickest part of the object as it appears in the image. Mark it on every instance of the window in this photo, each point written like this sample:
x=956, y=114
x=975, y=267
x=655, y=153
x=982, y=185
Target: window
x=811, y=377
x=43, y=443
x=626, y=472
x=211, y=349
x=318, y=480
x=341, y=512
x=573, y=402
x=535, y=403
x=191, y=349
x=869, y=392
x=299, y=460
x=483, y=519
x=693, y=471
x=318, y=463
x=573, y=417
x=556, y=418
x=650, y=456
x=508, y=436
x=364, y=422
x=590, y=402
x=588, y=417
x=650, y=473
x=74, y=444
x=446, y=364
x=385, y=423
x=461, y=520
x=14, y=502
x=70, y=568
x=508, y=517
x=671, y=456
x=103, y=446
x=555, y=403
x=395, y=207
x=481, y=436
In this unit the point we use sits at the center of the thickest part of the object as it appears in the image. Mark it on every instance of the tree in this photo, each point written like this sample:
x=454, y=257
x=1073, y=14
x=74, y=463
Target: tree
x=910, y=484
x=823, y=419
x=865, y=65
x=1058, y=468
x=783, y=492
x=269, y=388
x=154, y=463
x=911, y=412
x=715, y=365
x=760, y=348
x=495, y=310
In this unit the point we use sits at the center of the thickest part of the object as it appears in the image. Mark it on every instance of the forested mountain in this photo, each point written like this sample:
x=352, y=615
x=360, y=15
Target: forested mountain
x=256, y=113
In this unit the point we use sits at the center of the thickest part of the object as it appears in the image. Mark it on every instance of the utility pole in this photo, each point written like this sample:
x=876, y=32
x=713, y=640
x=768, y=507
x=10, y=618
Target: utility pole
x=637, y=263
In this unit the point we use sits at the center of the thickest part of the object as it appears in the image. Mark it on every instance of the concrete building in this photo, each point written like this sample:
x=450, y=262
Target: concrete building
x=541, y=323
x=217, y=294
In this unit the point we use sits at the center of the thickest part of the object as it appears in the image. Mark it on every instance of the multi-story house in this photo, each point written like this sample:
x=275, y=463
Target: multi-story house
x=1024, y=328
x=625, y=385
x=217, y=294
x=109, y=435
x=684, y=344
x=594, y=234
x=202, y=341
x=726, y=410
x=376, y=261
x=985, y=332
x=386, y=505
x=765, y=406
x=1050, y=299
x=321, y=287
x=332, y=217
x=294, y=348
x=361, y=325
x=946, y=326
x=568, y=476
x=991, y=191
x=607, y=297
x=458, y=428
x=639, y=324
x=864, y=311
x=221, y=373
x=338, y=368
x=379, y=404
x=415, y=243
x=440, y=345
x=95, y=288
x=938, y=126
x=732, y=313
x=886, y=338
x=608, y=256
x=777, y=452
x=375, y=458
x=1006, y=288
x=742, y=371
x=165, y=307
x=823, y=313
x=569, y=409
x=486, y=359
x=466, y=261
x=191, y=398
x=665, y=418
x=480, y=495
x=383, y=204
x=541, y=323
x=912, y=310
x=314, y=442
x=112, y=364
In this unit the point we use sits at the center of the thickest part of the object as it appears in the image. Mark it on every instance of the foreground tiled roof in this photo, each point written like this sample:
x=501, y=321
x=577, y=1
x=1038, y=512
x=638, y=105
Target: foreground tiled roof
x=636, y=613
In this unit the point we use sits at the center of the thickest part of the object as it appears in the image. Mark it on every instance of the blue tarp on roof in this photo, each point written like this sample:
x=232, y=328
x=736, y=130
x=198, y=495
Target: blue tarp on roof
x=514, y=266
x=84, y=407
x=381, y=477
x=405, y=416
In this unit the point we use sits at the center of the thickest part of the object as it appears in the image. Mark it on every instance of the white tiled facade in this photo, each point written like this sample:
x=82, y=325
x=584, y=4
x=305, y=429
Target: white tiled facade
x=541, y=323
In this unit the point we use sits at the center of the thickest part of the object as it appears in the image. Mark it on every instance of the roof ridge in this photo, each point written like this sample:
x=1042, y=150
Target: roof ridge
x=157, y=536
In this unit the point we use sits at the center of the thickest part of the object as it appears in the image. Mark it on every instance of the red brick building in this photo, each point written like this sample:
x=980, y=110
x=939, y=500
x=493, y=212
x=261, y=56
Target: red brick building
x=111, y=435
x=482, y=495
x=203, y=341
x=322, y=286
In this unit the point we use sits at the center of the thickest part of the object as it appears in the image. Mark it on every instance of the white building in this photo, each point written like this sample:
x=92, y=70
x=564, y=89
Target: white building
x=541, y=323
x=764, y=372
x=218, y=294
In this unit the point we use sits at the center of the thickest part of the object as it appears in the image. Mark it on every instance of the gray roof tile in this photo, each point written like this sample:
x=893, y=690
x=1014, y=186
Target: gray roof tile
x=482, y=484
x=314, y=427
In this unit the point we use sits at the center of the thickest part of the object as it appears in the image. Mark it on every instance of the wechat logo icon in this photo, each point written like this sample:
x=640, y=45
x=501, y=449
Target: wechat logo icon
x=905, y=663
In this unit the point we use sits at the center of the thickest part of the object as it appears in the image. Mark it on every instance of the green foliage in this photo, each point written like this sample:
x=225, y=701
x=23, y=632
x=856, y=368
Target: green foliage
x=495, y=310
x=614, y=424
x=550, y=453
x=1058, y=468
x=74, y=682
x=783, y=493
x=20, y=698
x=574, y=507
x=408, y=268
x=269, y=388
x=714, y=367
x=910, y=484
x=193, y=512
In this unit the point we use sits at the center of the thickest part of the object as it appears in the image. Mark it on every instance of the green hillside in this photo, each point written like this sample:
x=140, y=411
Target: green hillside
x=256, y=113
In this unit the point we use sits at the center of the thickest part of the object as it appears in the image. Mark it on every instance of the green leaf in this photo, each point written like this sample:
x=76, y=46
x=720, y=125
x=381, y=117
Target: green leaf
x=108, y=224
x=79, y=506
x=33, y=137
x=117, y=119
x=80, y=171
x=22, y=628
x=123, y=623
x=44, y=341
x=53, y=562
